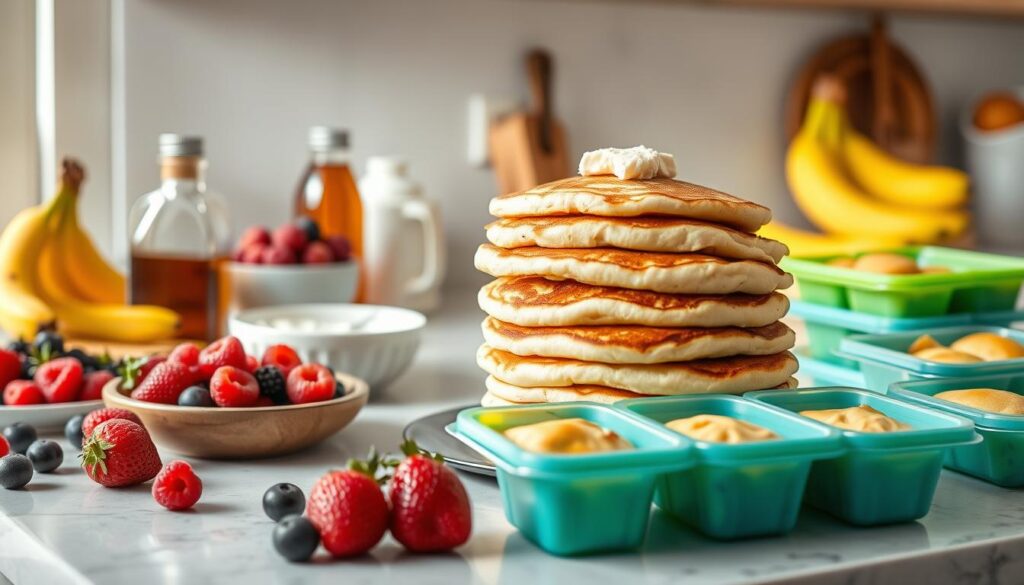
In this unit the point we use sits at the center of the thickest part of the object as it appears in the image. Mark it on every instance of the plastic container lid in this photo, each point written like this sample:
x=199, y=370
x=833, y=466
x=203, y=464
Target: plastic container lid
x=827, y=372
x=929, y=428
x=867, y=323
x=923, y=391
x=657, y=449
x=800, y=437
x=891, y=349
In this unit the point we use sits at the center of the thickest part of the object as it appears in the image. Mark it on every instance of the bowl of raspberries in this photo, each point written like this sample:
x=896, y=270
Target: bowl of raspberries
x=220, y=402
x=293, y=263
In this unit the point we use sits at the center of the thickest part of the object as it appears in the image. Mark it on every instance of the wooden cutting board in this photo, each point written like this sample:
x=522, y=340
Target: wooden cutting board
x=529, y=148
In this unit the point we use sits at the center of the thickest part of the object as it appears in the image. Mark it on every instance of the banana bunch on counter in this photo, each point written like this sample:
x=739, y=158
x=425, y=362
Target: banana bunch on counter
x=51, y=274
x=860, y=196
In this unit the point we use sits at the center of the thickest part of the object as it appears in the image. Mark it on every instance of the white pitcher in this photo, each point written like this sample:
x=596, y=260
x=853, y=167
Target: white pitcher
x=403, y=245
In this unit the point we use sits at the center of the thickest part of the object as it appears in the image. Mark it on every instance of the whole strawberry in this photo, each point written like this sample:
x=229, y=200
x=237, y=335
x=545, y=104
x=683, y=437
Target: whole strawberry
x=120, y=453
x=102, y=415
x=430, y=509
x=348, y=509
x=165, y=383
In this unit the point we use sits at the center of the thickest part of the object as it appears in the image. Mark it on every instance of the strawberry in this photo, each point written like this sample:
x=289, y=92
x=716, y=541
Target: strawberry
x=226, y=351
x=430, y=509
x=60, y=379
x=92, y=385
x=102, y=415
x=234, y=387
x=177, y=487
x=10, y=367
x=186, y=354
x=23, y=393
x=282, y=356
x=134, y=370
x=165, y=383
x=120, y=453
x=310, y=383
x=348, y=510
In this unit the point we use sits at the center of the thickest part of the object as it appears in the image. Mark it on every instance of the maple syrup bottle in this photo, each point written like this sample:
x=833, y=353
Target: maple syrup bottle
x=179, y=234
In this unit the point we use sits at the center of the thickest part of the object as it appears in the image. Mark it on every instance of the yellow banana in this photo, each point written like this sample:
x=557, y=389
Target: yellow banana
x=804, y=243
x=22, y=311
x=83, y=318
x=837, y=206
x=899, y=182
x=86, y=269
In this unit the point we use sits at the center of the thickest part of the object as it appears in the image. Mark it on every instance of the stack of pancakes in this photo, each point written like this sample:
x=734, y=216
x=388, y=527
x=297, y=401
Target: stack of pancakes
x=609, y=289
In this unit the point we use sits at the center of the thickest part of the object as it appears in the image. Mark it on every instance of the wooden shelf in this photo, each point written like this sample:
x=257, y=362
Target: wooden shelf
x=1013, y=8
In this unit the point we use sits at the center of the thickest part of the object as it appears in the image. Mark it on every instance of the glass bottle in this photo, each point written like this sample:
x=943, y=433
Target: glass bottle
x=179, y=235
x=327, y=191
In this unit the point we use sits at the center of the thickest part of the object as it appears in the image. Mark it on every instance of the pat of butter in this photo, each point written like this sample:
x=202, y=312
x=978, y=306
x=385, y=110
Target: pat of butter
x=638, y=162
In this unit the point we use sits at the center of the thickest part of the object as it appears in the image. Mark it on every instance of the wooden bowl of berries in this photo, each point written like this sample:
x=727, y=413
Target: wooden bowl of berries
x=220, y=403
x=289, y=265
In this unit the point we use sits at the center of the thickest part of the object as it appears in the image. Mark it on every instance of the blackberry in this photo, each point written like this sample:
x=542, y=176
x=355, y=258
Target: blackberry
x=271, y=384
x=20, y=347
x=51, y=339
x=89, y=363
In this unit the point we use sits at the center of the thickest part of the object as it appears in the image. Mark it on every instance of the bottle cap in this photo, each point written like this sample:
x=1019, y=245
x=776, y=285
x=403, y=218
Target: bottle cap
x=324, y=138
x=180, y=145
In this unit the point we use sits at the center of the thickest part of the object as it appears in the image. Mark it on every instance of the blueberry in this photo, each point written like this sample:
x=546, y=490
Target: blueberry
x=20, y=347
x=308, y=225
x=282, y=500
x=295, y=538
x=15, y=471
x=73, y=431
x=20, y=436
x=89, y=363
x=339, y=389
x=195, y=396
x=50, y=338
x=45, y=455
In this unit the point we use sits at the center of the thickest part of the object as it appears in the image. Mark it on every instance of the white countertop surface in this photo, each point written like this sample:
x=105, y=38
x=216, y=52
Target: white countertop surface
x=66, y=529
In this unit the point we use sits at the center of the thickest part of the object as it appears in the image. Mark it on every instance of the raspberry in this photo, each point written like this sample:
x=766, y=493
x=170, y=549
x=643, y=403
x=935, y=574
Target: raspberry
x=264, y=401
x=186, y=354
x=277, y=255
x=177, y=487
x=251, y=363
x=290, y=237
x=256, y=234
x=23, y=393
x=60, y=379
x=341, y=246
x=272, y=384
x=234, y=387
x=226, y=351
x=317, y=253
x=93, y=383
x=282, y=356
x=310, y=383
x=5, y=447
x=102, y=415
x=252, y=254
x=10, y=367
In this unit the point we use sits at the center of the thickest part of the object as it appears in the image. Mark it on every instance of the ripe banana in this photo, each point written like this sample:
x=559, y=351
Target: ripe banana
x=84, y=318
x=22, y=312
x=899, y=182
x=804, y=243
x=833, y=203
x=89, y=274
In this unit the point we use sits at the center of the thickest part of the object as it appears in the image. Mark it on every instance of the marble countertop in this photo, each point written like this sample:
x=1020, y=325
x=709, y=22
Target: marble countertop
x=65, y=529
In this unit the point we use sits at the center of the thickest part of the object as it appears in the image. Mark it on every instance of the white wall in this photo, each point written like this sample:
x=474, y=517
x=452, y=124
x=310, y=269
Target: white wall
x=17, y=108
x=706, y=84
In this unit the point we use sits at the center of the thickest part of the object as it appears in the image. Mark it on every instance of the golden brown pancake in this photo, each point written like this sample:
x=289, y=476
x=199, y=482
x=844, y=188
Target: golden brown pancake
x=613, y=197
x=500, y=393
x=536, y=301
x=637, y=344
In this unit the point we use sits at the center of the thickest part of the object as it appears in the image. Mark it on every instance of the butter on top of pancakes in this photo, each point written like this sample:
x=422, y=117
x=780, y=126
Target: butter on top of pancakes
x=987, y=399
x=969, y=349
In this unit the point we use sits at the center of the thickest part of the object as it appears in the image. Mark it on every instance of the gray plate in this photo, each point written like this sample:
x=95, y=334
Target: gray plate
x=430, y=434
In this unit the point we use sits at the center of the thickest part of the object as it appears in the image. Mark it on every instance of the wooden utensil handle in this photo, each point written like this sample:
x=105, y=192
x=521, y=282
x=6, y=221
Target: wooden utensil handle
x=538, y=68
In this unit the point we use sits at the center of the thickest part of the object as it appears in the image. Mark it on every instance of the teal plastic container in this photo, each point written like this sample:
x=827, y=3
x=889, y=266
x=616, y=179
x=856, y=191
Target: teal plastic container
x=828, y=326
x=884, y=359
x=825, y=373
x=883, y=478
x=978, y=283
x=739, y=490
x=999, y=458
x=576, y=504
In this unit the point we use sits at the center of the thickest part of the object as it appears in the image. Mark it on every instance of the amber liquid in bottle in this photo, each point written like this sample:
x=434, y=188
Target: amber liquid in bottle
x=187, y=284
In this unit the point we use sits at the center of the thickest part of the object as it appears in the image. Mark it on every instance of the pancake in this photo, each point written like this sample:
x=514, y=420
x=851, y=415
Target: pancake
x=609, y=196
x=649, y=234
x=502, y=394
x=730, y=375
x=534, y=301
x=637, y=344
x=659, y=272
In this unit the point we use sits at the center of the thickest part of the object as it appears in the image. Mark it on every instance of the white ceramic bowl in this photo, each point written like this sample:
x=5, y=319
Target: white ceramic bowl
x=263, y=285
x=372, y=342
x=46, y=417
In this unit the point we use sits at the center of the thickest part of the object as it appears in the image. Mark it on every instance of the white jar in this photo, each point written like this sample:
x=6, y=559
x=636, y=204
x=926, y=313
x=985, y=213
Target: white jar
x=403, y=246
